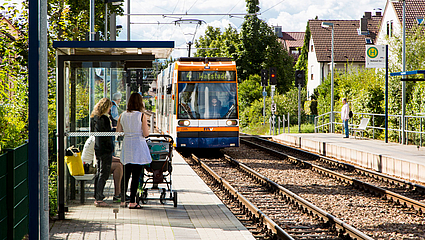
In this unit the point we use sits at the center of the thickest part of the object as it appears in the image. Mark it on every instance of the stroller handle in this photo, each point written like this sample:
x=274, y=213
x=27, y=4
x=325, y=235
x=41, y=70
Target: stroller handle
x=166, y=136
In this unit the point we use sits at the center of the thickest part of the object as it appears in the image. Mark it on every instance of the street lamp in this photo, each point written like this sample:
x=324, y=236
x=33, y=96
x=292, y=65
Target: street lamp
x=403, y=84
x=403, y=89
x=326, y=25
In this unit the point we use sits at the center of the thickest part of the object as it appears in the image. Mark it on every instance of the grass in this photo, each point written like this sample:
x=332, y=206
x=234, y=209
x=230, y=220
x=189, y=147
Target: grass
x=265, y=129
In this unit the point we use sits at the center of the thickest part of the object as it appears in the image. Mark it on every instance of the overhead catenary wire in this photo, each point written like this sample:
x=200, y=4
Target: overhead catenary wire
x=190, y=14
x=231, y=9
x=272, y=6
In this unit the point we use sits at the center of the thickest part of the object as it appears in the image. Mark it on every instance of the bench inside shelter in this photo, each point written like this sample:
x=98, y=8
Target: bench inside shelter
x=83, y=179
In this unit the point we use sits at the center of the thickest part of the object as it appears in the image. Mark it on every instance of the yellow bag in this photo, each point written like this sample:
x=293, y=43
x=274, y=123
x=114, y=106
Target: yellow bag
x=75, y=164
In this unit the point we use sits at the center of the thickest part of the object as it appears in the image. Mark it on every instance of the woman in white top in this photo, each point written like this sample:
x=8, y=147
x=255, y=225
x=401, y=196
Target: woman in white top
x=135, y=152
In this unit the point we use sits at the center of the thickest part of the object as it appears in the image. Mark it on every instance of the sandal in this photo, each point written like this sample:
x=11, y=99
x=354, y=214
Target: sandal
x=136, y=206
x=101, y=204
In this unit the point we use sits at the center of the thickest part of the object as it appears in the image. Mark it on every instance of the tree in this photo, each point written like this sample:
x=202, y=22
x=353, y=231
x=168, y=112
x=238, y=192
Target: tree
x=260, y=48
x=69, y=19
x=302, y=62
x=13, y=77
x=249, y=91
x=218, y=44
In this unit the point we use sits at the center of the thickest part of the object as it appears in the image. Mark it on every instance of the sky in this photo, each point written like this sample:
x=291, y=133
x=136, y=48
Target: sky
x=291, y=15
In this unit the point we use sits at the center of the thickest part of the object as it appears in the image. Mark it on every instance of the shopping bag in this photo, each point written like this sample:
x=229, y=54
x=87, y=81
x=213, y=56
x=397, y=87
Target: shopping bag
x=88, y=151
x=74, y=162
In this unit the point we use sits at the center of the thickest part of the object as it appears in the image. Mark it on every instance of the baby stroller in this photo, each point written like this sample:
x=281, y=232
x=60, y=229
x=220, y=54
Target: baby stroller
x=158, y=172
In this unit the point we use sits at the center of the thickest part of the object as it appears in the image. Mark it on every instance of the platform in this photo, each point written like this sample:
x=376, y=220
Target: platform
x=405, y=161
x=199, y=215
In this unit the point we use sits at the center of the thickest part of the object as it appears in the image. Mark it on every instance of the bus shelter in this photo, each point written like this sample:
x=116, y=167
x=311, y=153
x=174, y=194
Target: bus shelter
x=86, y=72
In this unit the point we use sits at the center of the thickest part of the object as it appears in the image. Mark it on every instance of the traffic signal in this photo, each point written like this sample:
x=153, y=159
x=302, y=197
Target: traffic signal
x=273, y=76
x=264, y=77
x=299, y=78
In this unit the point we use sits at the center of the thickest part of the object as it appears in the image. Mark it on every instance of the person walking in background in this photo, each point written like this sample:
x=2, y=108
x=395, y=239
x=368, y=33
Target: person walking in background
x=116, y=99
x=103, y=148
x=135, y=152
x=345, y=116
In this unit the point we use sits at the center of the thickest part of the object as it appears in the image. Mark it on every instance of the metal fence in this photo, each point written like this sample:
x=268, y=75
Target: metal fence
x=414, y=127
x=14, y=198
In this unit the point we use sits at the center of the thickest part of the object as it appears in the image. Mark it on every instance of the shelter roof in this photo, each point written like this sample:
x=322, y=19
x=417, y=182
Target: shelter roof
x=160, y=49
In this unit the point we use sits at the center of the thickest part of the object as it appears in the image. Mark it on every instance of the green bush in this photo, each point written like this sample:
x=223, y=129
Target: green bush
x=285, y=104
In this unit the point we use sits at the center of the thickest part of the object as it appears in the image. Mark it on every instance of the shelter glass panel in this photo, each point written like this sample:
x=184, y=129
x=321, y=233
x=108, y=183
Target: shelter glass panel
x=86, y=84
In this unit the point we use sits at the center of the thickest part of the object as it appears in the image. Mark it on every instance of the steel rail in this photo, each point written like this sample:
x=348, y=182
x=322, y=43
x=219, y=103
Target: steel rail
x=256, y=213
x=389, y=195
x=361, y=170
x=343, y=228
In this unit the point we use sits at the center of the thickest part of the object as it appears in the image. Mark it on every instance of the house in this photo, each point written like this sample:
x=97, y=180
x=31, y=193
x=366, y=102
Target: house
x=291, y=41
x=11, y=32
x=8, y=33
x=350, y=38
x=392, y=20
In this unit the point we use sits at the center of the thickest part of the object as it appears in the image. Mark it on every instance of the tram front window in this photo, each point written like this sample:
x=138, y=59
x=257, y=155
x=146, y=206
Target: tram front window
x=207, y=101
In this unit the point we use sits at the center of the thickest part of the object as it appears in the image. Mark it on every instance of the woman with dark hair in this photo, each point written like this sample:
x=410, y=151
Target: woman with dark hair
x=103, y=148
x=135, y=152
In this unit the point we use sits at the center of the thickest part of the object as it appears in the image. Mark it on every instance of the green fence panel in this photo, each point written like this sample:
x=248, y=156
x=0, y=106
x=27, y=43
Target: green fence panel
x=20, y=192
x=3, y=202
x=14, y=194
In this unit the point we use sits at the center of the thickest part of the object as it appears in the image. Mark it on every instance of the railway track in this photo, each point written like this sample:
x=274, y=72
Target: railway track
x=369, y=210
x=399, y=191
x=279, y=213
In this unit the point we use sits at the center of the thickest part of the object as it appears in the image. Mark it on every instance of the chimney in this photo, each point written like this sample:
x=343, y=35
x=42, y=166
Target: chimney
x=363, y=24
x=368, y=15
x=278, y=31
x=378, y=12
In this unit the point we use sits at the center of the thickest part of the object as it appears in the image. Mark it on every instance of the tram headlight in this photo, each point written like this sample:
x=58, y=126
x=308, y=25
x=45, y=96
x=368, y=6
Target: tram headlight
x=231, y=122
x=184, y=122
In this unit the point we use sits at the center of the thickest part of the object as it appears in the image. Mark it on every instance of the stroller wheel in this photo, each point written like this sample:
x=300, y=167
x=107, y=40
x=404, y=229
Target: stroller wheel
x=144, y=196
x=175, y=199
x=162, y=198
x=137, y=198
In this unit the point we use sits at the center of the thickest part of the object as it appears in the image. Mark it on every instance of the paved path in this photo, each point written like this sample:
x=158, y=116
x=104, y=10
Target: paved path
x=199, y=215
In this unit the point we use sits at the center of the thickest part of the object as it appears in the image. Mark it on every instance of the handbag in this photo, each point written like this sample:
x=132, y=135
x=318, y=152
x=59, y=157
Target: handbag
x=74, y=162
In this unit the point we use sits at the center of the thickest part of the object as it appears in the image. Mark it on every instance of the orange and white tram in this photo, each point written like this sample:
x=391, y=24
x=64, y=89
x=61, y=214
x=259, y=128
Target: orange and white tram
x=197, y=103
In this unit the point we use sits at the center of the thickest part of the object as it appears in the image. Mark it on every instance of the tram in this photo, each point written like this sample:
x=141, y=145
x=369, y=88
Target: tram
x=197, y=103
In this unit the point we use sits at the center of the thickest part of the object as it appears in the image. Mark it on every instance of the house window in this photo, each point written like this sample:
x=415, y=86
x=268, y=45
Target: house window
x=312, y=48
x=390, y=28
x=312, y=77
x=294, y=51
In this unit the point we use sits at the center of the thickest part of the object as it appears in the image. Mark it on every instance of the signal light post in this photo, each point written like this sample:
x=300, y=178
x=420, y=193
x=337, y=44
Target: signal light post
x=265, y=75
x=264, y=83
x=300, y=81
x=273, y=82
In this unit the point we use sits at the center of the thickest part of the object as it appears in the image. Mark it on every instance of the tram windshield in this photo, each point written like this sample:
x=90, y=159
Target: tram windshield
x=207, y=101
